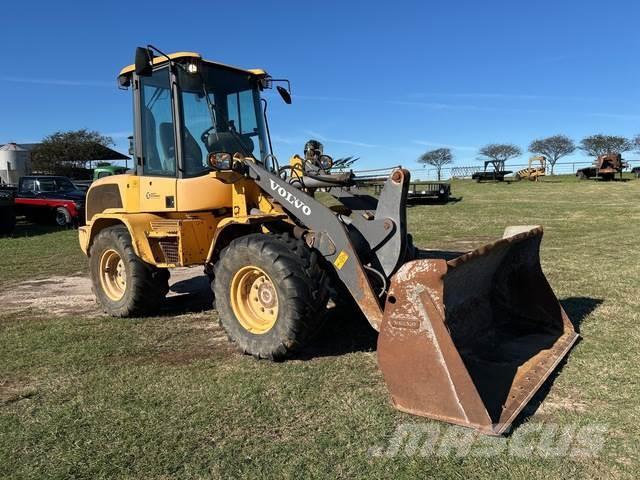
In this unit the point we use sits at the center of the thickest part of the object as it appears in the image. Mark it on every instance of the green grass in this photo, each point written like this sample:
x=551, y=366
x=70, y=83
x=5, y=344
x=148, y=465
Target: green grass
x=167, y=397
x=36, y=251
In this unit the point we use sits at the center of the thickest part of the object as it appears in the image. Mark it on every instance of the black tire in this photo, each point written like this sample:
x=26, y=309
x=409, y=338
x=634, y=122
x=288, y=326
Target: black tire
x=581, y=175
x=146, y=285
x=301, y=285
x=62, y=217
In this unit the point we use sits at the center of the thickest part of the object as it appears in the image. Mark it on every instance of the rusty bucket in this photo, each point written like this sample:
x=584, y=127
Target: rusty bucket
x=470, y=340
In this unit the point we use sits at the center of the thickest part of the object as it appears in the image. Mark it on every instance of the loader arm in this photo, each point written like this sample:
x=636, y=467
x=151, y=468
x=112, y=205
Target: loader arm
x=383, y=232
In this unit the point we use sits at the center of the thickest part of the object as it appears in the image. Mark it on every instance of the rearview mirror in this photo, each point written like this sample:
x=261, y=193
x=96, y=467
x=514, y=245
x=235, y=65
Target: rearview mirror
x=144, y=62
x=284, y=93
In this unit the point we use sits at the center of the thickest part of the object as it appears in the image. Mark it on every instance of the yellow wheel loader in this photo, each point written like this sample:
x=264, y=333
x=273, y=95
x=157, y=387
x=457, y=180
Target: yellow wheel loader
x=459, y=338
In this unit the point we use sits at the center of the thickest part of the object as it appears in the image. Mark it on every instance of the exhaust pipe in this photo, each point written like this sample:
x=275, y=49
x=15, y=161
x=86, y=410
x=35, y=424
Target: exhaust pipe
x=470, y=340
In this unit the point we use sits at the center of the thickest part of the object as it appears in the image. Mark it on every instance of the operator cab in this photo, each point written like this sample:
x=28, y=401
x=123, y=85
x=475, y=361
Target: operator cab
x=212, y=108
x=191, y=117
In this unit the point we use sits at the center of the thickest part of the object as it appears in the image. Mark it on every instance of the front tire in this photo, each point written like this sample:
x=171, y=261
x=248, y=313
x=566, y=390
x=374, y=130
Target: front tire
x=124, y=285
x=271, y=292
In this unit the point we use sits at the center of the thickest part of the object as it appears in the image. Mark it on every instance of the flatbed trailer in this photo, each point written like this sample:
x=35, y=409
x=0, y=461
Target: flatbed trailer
x=497, y=173
x=423, y=190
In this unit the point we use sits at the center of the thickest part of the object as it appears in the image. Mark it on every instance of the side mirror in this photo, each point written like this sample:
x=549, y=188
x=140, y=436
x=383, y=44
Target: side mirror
x=284, y=93
x=144, y=62
x=220, y=161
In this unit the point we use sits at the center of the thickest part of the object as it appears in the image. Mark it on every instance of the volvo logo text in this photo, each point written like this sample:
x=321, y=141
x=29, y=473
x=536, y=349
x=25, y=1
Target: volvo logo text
x=290, y=197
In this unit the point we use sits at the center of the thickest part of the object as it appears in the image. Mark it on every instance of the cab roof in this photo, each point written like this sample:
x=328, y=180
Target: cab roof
x=186, y=55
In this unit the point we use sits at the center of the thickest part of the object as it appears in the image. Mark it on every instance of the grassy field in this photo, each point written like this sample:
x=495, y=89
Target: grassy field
x=84, y=396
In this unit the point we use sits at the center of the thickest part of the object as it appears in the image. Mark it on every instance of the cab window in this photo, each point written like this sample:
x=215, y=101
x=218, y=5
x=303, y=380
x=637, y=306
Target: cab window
x=196, y=120
x=242, y=115
x=158, y=145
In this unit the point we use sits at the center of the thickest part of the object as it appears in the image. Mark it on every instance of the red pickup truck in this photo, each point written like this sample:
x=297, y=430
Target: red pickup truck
x=44, y=198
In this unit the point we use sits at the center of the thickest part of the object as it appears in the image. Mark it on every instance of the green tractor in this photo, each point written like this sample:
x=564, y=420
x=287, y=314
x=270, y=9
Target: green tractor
x=108, y=170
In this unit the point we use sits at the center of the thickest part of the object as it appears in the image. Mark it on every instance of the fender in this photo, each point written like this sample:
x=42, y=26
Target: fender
x=231, y=228
x=137, y=224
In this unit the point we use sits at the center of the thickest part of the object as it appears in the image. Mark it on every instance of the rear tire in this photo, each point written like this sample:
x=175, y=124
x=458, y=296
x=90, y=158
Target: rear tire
x=124, y=285
x=271, y=292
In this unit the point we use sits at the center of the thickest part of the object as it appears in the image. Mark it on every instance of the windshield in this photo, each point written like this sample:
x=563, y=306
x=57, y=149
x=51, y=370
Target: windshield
x=221, y=112
x=56, y=185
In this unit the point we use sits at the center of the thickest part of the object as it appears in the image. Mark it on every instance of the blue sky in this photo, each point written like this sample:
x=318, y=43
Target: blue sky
x=384, y=81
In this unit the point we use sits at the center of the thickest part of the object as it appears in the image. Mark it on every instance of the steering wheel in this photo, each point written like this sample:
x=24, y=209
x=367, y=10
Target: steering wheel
x=205, y=135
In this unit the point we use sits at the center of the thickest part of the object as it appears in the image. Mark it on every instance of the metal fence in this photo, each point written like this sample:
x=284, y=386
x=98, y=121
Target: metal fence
x=448, y=173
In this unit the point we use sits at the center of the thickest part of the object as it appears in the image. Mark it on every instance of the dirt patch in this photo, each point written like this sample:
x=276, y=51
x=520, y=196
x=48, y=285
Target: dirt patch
x=195, y=338
x=55, y=296
x=71, y=295
x=551, y=405
x=12, y=390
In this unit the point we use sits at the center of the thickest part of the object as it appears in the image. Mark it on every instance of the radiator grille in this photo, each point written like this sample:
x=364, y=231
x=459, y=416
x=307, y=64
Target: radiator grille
x=169, y=247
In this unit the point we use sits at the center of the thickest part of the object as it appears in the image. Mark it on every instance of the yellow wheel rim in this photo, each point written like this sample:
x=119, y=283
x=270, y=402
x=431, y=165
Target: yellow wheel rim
x=113, y=276
x=254, y=300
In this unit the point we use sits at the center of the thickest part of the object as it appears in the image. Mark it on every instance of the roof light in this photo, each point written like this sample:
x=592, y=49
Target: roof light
x=192, y=68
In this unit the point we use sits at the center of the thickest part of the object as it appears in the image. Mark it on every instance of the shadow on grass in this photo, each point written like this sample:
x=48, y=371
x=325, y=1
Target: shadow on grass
x=192, y=295
x=577, y=309
x=345, y=331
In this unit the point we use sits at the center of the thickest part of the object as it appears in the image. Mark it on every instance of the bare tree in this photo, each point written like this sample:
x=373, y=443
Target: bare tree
x=596, y=145
x=500, y=152
x=553, y=148
x=636, y=143
x=437, y=158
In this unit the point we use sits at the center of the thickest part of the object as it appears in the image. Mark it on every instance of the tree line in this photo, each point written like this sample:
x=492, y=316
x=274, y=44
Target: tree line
x=553, y=148
x=63, y=152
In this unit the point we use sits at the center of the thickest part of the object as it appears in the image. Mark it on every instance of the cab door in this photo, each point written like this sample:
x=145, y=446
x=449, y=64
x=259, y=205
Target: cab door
x=155, y=142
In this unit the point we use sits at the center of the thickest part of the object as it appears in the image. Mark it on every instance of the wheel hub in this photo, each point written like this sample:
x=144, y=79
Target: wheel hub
x=113, y=275
x=266, y=293
x=254, y=300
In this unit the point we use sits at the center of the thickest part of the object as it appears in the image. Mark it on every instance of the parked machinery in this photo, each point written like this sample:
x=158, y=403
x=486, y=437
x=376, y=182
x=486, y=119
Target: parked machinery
x=533, y=172
x=604, y=167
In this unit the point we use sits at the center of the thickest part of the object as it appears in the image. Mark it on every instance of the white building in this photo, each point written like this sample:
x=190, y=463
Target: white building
x=15, y=161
